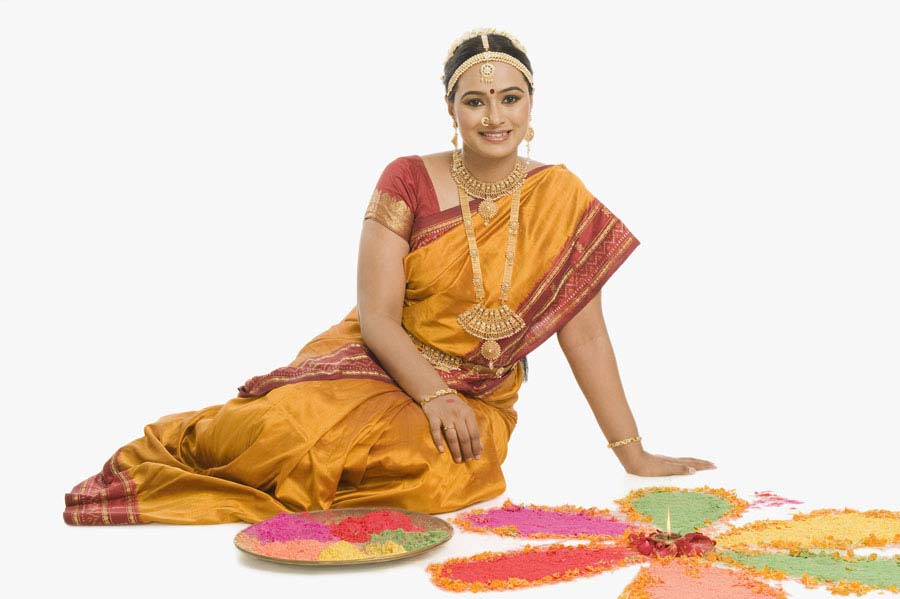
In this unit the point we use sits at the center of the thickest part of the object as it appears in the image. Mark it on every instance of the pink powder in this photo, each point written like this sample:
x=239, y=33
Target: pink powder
x=530, y=520
x=769, y=499
x=289, y=527
x=699, y=581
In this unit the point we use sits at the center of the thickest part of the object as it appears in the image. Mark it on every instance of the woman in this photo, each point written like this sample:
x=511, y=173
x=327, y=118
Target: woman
x=468, y=260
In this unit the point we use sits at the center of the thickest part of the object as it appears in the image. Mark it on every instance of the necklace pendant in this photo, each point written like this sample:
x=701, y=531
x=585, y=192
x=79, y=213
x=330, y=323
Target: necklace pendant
x=488, y=210
x=490, y=350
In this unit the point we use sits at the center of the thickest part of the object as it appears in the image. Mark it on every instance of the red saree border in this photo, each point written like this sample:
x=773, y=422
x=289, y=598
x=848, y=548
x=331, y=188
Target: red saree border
x=108, y=497
x=352, y=360
x=356, y=360
x=599, y=245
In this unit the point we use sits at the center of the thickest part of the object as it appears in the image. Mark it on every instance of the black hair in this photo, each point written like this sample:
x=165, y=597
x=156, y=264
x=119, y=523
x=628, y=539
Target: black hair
x=473, y=46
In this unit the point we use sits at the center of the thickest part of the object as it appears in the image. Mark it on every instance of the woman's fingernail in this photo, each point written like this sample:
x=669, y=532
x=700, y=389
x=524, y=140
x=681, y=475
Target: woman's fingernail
x=478, y=456
x=691, y=470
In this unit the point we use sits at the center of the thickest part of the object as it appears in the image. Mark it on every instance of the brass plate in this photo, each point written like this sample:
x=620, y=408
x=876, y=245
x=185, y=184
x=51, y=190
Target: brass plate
x=425, y=521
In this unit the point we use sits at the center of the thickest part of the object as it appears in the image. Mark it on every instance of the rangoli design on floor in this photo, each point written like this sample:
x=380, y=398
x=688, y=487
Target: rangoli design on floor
x=712, y=557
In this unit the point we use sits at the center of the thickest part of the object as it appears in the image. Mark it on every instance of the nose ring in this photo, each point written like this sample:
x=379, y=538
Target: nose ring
x=485, y=121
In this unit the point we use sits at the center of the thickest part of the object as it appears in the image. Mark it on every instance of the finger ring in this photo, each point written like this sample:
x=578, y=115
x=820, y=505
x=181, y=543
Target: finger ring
x=447, y=428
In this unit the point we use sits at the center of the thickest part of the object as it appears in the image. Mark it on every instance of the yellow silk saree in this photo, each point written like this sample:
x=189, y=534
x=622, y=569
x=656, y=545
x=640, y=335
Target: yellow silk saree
x=332, y=429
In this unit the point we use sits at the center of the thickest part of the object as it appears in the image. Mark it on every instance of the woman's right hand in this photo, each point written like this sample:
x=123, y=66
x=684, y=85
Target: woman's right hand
x=462, y=435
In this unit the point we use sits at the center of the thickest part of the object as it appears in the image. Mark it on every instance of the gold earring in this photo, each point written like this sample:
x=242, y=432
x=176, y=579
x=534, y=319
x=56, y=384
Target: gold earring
x=528, y=137
x=453, y=139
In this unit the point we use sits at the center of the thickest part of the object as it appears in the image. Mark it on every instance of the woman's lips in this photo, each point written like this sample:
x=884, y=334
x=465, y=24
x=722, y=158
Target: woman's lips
x=494, y=139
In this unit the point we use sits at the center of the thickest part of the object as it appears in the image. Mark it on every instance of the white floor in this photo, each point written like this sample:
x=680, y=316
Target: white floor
x=564, y=463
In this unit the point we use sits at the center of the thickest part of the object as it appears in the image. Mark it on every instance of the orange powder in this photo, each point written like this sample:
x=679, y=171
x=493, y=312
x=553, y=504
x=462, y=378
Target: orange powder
x=301, y=549
x=691, y=577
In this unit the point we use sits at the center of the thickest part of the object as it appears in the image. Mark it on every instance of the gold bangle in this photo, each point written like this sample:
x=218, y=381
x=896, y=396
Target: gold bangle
x=437, y=393
x=624, y=441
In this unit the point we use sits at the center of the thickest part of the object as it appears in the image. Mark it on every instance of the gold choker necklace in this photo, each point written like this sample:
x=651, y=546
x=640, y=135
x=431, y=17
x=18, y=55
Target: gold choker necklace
x=480, y=321
x=488, y=193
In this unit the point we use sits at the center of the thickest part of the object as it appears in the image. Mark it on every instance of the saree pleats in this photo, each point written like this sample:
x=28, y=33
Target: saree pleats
x=332, y=428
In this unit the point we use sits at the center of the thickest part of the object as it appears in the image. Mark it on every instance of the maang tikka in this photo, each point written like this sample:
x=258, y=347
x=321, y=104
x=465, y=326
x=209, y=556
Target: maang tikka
x=490, y=324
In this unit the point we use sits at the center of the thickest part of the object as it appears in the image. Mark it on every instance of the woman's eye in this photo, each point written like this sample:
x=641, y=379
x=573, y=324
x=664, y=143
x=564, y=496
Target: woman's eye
x=516, y=98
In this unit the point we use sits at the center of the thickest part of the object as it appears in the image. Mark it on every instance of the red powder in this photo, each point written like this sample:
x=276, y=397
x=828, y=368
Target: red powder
x=359, y=529
x=534, y=565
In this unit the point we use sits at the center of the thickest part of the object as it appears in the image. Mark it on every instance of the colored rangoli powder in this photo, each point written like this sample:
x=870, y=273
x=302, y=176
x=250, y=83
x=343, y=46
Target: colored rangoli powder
x=543, y=521
x=410, y=540
x=288, y=527
x=341, y=550
x=819, y=529
x=769, y=499
x=675, y=578
x=359, y=529
x=689, y=509
x=821, y=567
x=387, y=548
x=302, y=549
x=529, y=566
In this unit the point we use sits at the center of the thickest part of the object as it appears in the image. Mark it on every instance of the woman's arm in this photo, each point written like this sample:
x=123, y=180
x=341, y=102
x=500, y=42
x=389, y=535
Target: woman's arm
x=381, y=287
x=588, y=349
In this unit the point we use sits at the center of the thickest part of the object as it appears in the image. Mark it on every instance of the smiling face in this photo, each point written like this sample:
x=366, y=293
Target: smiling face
x=505, y=101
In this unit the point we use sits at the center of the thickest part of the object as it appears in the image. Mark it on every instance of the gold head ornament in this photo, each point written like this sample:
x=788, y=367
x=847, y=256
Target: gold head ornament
x=485, y=58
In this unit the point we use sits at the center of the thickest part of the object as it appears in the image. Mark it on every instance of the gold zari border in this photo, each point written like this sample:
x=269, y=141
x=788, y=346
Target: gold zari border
x=391, y=212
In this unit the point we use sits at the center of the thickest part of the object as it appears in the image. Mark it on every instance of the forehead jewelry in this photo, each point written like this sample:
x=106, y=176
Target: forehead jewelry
x=486, y=58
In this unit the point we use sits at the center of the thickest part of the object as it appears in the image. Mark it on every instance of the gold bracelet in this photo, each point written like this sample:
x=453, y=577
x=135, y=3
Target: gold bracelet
x=624, y=441
x=437, y=393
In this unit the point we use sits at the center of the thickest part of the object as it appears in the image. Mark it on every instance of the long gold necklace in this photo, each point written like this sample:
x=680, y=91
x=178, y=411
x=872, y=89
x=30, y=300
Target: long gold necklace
x=480, y=321
x=488, y=193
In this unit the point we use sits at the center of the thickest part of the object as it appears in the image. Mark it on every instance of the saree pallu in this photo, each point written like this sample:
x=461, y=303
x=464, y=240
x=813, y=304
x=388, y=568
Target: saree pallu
x=332, y=428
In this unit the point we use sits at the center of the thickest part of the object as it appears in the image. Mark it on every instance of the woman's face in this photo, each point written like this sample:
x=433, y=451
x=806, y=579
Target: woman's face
x=505, y=101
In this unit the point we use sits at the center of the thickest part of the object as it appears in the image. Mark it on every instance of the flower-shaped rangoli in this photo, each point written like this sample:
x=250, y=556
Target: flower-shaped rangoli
x=736, y=563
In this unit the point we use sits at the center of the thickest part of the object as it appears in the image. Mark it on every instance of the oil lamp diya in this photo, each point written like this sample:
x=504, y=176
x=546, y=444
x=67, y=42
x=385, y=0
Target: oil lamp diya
x=662, y=544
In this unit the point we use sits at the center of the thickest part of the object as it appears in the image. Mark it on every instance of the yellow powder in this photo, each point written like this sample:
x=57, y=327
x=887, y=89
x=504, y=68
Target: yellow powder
x=387, y=548
x=340, y=550
x=819, y=529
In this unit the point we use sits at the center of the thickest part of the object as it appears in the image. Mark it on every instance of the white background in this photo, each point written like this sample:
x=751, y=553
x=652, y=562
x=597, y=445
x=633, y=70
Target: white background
x=183, y=185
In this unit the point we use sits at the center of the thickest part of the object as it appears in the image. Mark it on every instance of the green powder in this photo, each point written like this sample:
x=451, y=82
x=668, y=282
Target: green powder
x=688, y=509
x=880, y=572
x=410, y=540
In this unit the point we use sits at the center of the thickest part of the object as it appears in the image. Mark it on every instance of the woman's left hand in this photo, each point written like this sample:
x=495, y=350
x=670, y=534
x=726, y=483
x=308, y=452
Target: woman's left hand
x=649, y=464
